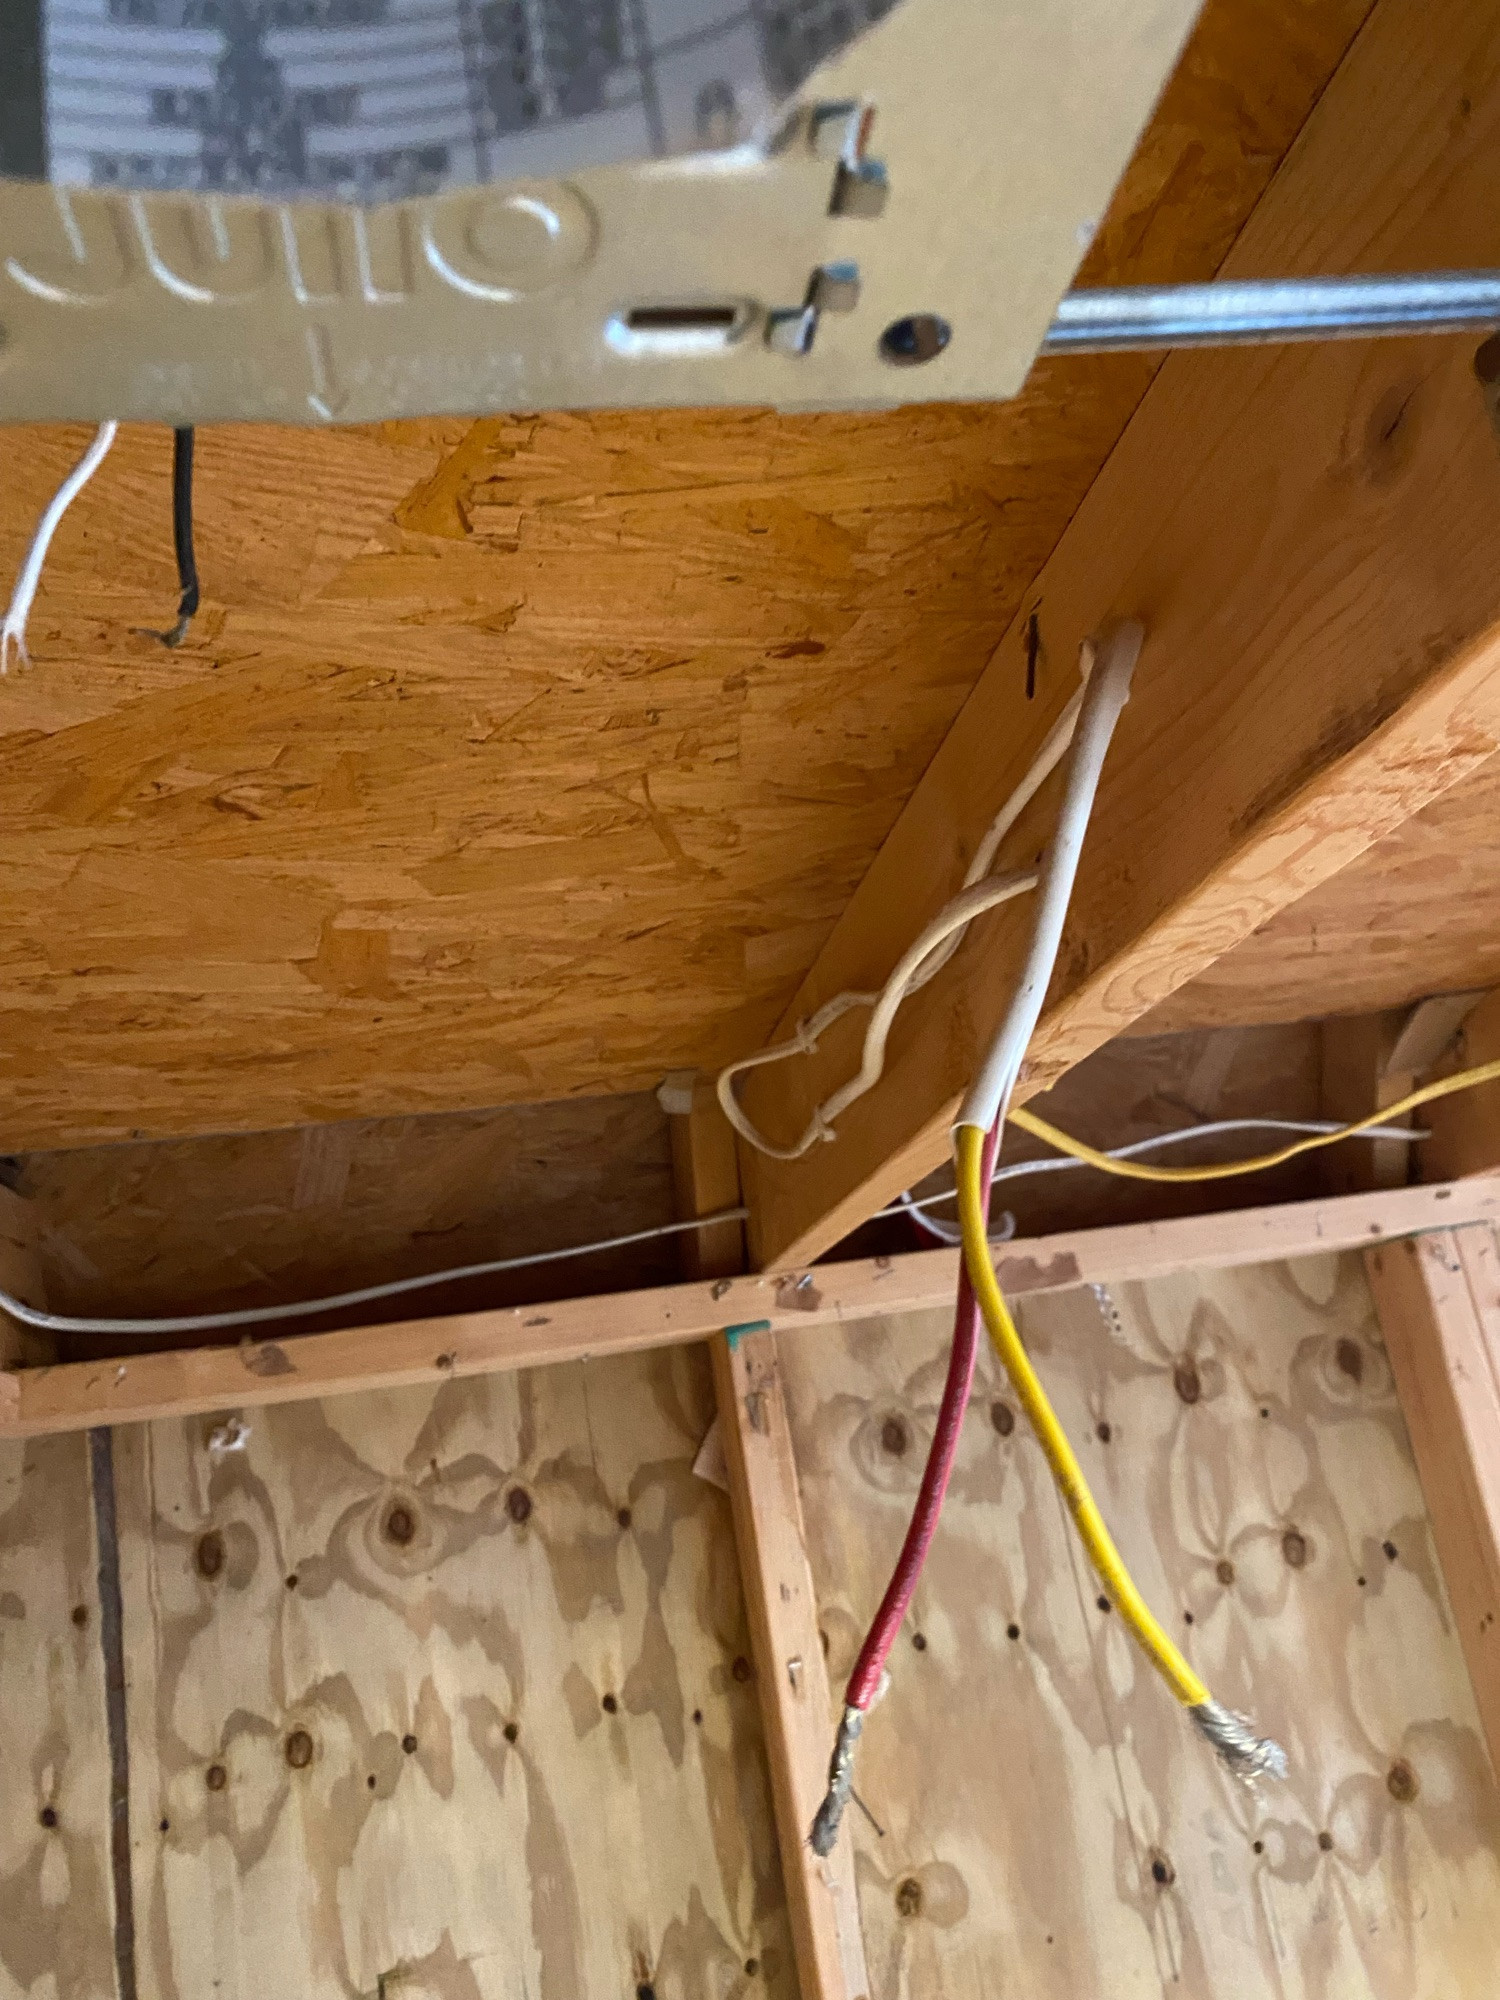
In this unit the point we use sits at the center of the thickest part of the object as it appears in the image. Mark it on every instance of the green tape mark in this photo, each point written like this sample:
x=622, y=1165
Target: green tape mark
x=732, y=1333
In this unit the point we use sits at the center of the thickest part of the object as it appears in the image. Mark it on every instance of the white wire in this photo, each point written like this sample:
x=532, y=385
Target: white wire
x=910, y=1204
x=949, y=923
x=947, y=1232
x=254, y=1315
x=1105, y=696
x=301, y=1308
x=922, y=961
x=24, y=594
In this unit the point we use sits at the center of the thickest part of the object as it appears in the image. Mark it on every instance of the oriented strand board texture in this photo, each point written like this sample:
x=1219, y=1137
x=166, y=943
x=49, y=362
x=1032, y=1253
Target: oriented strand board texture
x=445, y=1697
x=260, y=1218
x=56, y=1895
x=532, y=756
x=1415, y=916
x=1048, y=1823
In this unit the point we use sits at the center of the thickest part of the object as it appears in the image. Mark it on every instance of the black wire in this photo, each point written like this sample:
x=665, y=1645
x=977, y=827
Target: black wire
x=182, y=523
x=182, y=539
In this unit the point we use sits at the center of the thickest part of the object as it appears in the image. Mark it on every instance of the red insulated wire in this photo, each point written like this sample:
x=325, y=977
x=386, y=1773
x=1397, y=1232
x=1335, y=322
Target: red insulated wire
x=864, y=1682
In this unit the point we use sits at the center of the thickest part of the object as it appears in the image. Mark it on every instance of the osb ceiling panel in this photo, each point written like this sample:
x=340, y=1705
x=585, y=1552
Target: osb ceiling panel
x=528, y=756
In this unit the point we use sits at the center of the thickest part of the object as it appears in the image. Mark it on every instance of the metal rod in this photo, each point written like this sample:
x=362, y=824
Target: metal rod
x=1236, y=312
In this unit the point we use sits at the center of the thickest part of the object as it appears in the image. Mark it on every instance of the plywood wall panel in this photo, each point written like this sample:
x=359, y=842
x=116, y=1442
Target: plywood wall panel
x=57, y=1910
x=446, y=1696
x=1040, y=1814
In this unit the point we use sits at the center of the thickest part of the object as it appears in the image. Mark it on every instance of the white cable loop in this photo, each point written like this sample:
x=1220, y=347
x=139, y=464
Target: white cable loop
x=922, y=961
x=13, y=632
x=950, y=922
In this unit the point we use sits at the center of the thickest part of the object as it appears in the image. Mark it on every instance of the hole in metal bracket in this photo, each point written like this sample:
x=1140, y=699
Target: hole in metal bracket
x=919, y=337
x=679, y=329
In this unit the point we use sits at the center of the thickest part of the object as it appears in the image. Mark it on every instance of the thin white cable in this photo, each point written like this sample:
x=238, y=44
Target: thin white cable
x=24, y=595
x=945, y=931
x=952, y=919
x=1053, y=750
x=253, y=1315
x=1107, y=692
x=299, y=1308
x=946, y=1232
x=920, y=963
x=913, y=1205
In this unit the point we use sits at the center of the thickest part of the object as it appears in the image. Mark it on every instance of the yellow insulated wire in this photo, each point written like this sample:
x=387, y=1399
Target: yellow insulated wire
x=1138, y=1170
x=1067, y=1472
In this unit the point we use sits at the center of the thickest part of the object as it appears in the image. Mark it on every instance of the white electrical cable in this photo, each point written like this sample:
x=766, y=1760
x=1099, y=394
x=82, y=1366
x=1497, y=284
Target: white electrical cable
x=907, y=1204
x=923, y=960
x=1107, y=692
x=950, y=921
x=1062, y=1163
x=254, y=1315
x=23, y=596
x=945, y=1232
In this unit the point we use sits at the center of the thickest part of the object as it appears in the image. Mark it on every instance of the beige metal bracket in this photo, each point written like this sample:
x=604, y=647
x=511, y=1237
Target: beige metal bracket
x=999, y=129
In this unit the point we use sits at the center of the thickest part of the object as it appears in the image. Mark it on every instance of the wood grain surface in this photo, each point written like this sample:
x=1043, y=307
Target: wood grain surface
x=446, y=1696
x=1041, y=1817
x=260, y=1218
x=761, y=1467
x=1439, y=1304
x=1414, y=916
x=56, y=1896
x=537, y=755
x=138, y=1387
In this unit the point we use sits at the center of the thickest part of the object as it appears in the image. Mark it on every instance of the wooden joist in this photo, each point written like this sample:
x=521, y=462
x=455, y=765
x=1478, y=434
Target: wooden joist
x=1305, y=534
x=1439, y=1303
x=133, y=1389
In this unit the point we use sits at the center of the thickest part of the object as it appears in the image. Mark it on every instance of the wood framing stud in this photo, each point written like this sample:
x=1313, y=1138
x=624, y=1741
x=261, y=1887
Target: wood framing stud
x=1465, y=1128
x=1438, y=1298
x=788, y=1646
x=705, y=1177
x=761, y=1471
x=21, y=1276
x=182, y=1382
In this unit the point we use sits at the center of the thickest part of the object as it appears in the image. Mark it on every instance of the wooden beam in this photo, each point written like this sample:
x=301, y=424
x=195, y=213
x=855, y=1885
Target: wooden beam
x=182, y=1382
x=1305, y=534
x=705, y=1176
x=1465, y=1128
x=790, y=1667
x=1372, y=1061
x=21, y=1276
x=791, y=1678
x=1410, y=918
x=1438, y=1297
x=1360, y=1074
